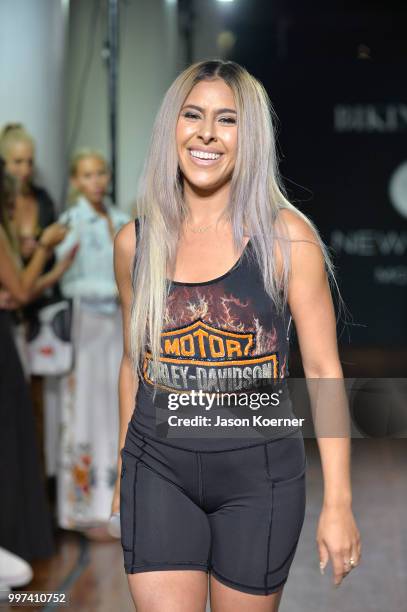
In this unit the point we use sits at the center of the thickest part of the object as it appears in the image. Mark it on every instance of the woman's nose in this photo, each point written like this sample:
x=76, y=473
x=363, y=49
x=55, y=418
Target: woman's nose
x=207, y=131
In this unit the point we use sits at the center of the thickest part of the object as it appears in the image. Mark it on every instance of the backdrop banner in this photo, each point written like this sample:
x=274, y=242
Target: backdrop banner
x=342, y=132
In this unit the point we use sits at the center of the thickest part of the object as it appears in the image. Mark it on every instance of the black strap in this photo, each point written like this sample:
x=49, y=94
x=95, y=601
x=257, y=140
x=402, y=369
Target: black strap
x=137, y=230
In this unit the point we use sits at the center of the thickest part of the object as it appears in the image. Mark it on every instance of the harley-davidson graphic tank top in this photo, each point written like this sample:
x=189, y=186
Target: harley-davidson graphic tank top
x=221, y=377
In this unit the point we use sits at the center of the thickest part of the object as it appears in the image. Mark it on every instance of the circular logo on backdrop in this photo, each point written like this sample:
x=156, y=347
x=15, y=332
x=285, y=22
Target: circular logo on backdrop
x=398, y=189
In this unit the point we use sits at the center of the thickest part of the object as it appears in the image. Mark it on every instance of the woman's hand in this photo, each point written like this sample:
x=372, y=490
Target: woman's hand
x=53, y=235
x=116, y=497
x=7, y=302
x=338, y=537
x=50, y=278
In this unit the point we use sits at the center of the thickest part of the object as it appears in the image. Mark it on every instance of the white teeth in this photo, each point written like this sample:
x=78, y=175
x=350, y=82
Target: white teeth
x=203, y=155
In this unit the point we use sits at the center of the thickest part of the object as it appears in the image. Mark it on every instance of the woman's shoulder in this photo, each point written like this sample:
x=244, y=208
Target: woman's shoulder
x=125, y=239
x=298, y=225
x=302, y=238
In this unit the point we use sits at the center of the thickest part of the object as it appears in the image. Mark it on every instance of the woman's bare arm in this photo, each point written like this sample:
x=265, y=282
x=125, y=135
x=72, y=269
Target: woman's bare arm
x=20, y=282
x=310, y=301
x=311, y=305
x=50, y=278
x=124, y=250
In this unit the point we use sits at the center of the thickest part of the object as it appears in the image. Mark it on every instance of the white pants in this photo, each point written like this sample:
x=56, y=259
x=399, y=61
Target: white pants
x=89, y=421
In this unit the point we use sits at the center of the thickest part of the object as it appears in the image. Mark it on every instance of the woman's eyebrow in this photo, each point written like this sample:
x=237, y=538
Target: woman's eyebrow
x=218, y=112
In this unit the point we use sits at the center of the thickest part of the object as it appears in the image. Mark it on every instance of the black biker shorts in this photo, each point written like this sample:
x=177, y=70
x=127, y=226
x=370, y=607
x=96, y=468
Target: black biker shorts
x=236, y=513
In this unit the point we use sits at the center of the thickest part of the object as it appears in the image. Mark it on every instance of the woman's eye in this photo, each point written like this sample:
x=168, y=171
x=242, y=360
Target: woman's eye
x=190, y=115
x=228, y=120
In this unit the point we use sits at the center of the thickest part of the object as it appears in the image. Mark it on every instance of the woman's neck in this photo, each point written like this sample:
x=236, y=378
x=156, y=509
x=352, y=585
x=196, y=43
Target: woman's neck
x=205, y=206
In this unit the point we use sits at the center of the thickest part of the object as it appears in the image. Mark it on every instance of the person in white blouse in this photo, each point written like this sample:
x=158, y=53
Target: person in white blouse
x=86, y=465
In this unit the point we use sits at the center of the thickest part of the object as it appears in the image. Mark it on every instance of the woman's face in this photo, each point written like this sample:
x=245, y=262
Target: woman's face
x=20, y=161
x=207, y=135
x=92, y=179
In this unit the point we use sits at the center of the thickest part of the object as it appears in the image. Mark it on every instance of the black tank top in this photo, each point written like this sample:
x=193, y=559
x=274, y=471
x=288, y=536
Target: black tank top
x=222, y=337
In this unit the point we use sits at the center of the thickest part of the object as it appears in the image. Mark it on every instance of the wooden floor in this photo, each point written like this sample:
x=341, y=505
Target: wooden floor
x=90, y=573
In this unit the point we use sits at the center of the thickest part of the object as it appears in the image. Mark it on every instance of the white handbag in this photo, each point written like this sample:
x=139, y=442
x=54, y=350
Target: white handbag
x=49, y=340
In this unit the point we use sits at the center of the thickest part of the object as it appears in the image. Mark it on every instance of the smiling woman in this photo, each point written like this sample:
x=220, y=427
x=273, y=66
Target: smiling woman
x=211, y=275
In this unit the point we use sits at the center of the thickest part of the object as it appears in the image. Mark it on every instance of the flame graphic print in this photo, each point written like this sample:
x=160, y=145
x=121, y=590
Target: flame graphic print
x=217, y=341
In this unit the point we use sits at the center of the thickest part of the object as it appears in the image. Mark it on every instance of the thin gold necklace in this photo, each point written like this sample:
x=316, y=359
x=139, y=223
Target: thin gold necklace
x=199, y=230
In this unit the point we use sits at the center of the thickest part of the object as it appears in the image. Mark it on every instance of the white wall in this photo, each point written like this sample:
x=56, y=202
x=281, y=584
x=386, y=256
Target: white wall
x=41, y=86
x=32, y=46
x=148, y=64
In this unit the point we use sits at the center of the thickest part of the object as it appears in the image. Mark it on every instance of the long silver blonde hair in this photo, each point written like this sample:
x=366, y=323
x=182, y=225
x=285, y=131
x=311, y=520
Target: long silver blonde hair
x=257, y=194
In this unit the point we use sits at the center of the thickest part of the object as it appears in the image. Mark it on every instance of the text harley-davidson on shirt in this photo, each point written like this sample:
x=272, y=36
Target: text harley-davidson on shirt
x=200, y=356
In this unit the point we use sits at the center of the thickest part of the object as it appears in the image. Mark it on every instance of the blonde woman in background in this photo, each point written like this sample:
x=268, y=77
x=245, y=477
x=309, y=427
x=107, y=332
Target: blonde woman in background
x=34, y=208
x=88, y=395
